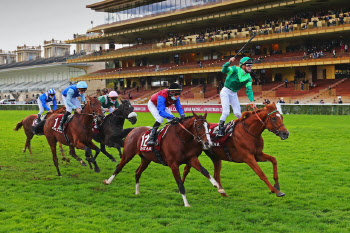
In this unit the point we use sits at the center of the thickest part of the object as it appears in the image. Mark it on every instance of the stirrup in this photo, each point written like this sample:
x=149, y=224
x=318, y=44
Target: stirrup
x=221, y=133
x=152, y=143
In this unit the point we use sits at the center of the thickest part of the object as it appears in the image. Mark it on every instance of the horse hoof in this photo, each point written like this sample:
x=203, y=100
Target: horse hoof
x=24, y=150
x=221, y=190
x=113, y=160
x=280, y=194
x=106, y=182
x=97, y=170
x=64, y=159
x=223, y=194
x=83, y=163
x=188, y=206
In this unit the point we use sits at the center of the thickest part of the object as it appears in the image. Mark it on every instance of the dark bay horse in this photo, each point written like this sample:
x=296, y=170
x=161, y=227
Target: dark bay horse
x=111, y=132
x=27, y=124
x=78, y=131
x=181, y=144
x=246, y=145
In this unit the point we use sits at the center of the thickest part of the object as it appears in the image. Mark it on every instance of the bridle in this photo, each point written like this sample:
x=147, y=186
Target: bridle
x=275, y=129
x=198, y=138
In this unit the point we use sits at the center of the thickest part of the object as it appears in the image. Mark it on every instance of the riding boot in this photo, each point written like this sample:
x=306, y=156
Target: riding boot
x=152, y=141
x=64, y=119
x=38, y=119
x=221, y=131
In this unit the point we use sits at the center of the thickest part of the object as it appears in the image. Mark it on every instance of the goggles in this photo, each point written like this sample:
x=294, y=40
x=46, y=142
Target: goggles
x=113, y=98
x=175, y=93
x=52, y=95
x=81, y=90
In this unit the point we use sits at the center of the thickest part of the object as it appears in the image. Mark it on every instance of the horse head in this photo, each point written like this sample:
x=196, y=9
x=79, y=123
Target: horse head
x=127, y=111
x=274, y=122
x=197, y=125
x=93, y=106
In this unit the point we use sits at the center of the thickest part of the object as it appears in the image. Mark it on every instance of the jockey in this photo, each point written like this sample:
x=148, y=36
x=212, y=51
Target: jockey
x=69, y=96
x=109, y=102
x=44, y=103
x=158, y=106
x=237, y=77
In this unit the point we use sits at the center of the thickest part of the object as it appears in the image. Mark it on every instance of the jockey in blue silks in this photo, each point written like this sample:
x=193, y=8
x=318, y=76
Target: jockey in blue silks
x=44, y=103
x=69, y=96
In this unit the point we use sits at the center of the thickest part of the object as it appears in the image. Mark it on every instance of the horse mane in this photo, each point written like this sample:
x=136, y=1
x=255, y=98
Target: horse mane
x=247, y=114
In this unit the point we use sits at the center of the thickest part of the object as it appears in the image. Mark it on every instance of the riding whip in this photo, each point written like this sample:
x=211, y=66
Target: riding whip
x=245, y=45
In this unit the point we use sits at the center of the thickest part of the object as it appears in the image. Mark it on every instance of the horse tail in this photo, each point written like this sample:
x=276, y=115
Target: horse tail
x=18, y=126
x=39, y=128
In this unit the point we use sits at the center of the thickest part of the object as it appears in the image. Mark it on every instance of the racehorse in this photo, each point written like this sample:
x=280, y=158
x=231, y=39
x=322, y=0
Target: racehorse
x=78, y=133
x=245, y=144
x=27, y=124
x=181, y=144
x=111, y=132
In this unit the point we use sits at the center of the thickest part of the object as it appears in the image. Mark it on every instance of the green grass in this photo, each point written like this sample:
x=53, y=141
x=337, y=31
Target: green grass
x=313, y=167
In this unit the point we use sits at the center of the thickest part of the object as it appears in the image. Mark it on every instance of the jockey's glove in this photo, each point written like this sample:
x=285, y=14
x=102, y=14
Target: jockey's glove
x=182, y=116
x=175, y=121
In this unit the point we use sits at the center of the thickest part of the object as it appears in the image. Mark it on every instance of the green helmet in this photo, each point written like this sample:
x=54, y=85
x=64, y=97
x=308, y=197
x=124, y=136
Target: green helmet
x=245, y=60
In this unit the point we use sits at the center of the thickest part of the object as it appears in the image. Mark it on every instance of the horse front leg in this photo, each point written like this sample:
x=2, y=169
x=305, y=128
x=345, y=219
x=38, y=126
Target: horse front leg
x=176, y=173
x=265, y=157
x=72, y=153
x=103, y=150
x=197, y=165
x=144, y=164
x=250, y=160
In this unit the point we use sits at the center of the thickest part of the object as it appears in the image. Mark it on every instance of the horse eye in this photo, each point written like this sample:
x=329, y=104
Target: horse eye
x=274, y=118
x=199, y=127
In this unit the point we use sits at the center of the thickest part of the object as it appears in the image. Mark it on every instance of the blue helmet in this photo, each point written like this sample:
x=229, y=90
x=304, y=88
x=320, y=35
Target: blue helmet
x=51, y=92
x=81, y=84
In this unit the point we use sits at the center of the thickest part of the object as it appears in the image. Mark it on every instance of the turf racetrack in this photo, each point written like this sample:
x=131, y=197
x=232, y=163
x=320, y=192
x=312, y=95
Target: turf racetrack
x=313, y=166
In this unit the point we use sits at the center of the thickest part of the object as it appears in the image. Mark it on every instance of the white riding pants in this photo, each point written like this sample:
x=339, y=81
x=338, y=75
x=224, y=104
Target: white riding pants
x=155, y=113
x=41, y=108
x=228, y=98
x=74, y=101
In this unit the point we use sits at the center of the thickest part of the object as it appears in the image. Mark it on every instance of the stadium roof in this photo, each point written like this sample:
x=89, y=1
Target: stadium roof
x=119, y=5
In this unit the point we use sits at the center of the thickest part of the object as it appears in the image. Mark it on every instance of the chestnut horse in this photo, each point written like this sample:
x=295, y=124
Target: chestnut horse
x=79, y=133
x=27, y=124
x=246, y=145
x=181, y=144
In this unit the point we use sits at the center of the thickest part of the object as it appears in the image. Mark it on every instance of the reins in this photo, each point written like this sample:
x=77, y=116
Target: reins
x=198, y=138
x=275, y=129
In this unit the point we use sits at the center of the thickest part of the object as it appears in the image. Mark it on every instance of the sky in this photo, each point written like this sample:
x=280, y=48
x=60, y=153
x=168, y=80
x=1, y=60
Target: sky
x=31, y=22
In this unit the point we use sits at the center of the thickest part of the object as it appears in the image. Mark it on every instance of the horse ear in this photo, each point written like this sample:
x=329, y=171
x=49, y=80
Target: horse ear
x=205, y=115
x=194, y=114
x=274, y=104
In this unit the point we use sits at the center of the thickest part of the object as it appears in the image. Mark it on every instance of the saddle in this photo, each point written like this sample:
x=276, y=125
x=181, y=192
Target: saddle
x=220, y=141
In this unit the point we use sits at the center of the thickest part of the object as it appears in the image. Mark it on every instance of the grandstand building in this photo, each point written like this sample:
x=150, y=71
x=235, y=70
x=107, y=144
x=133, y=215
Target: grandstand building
x=303, y=42
x=32, y=75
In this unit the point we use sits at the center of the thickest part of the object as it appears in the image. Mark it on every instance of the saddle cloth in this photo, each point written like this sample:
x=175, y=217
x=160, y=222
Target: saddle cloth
x=213, y=130
x=58, y=121
x=145, y=137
